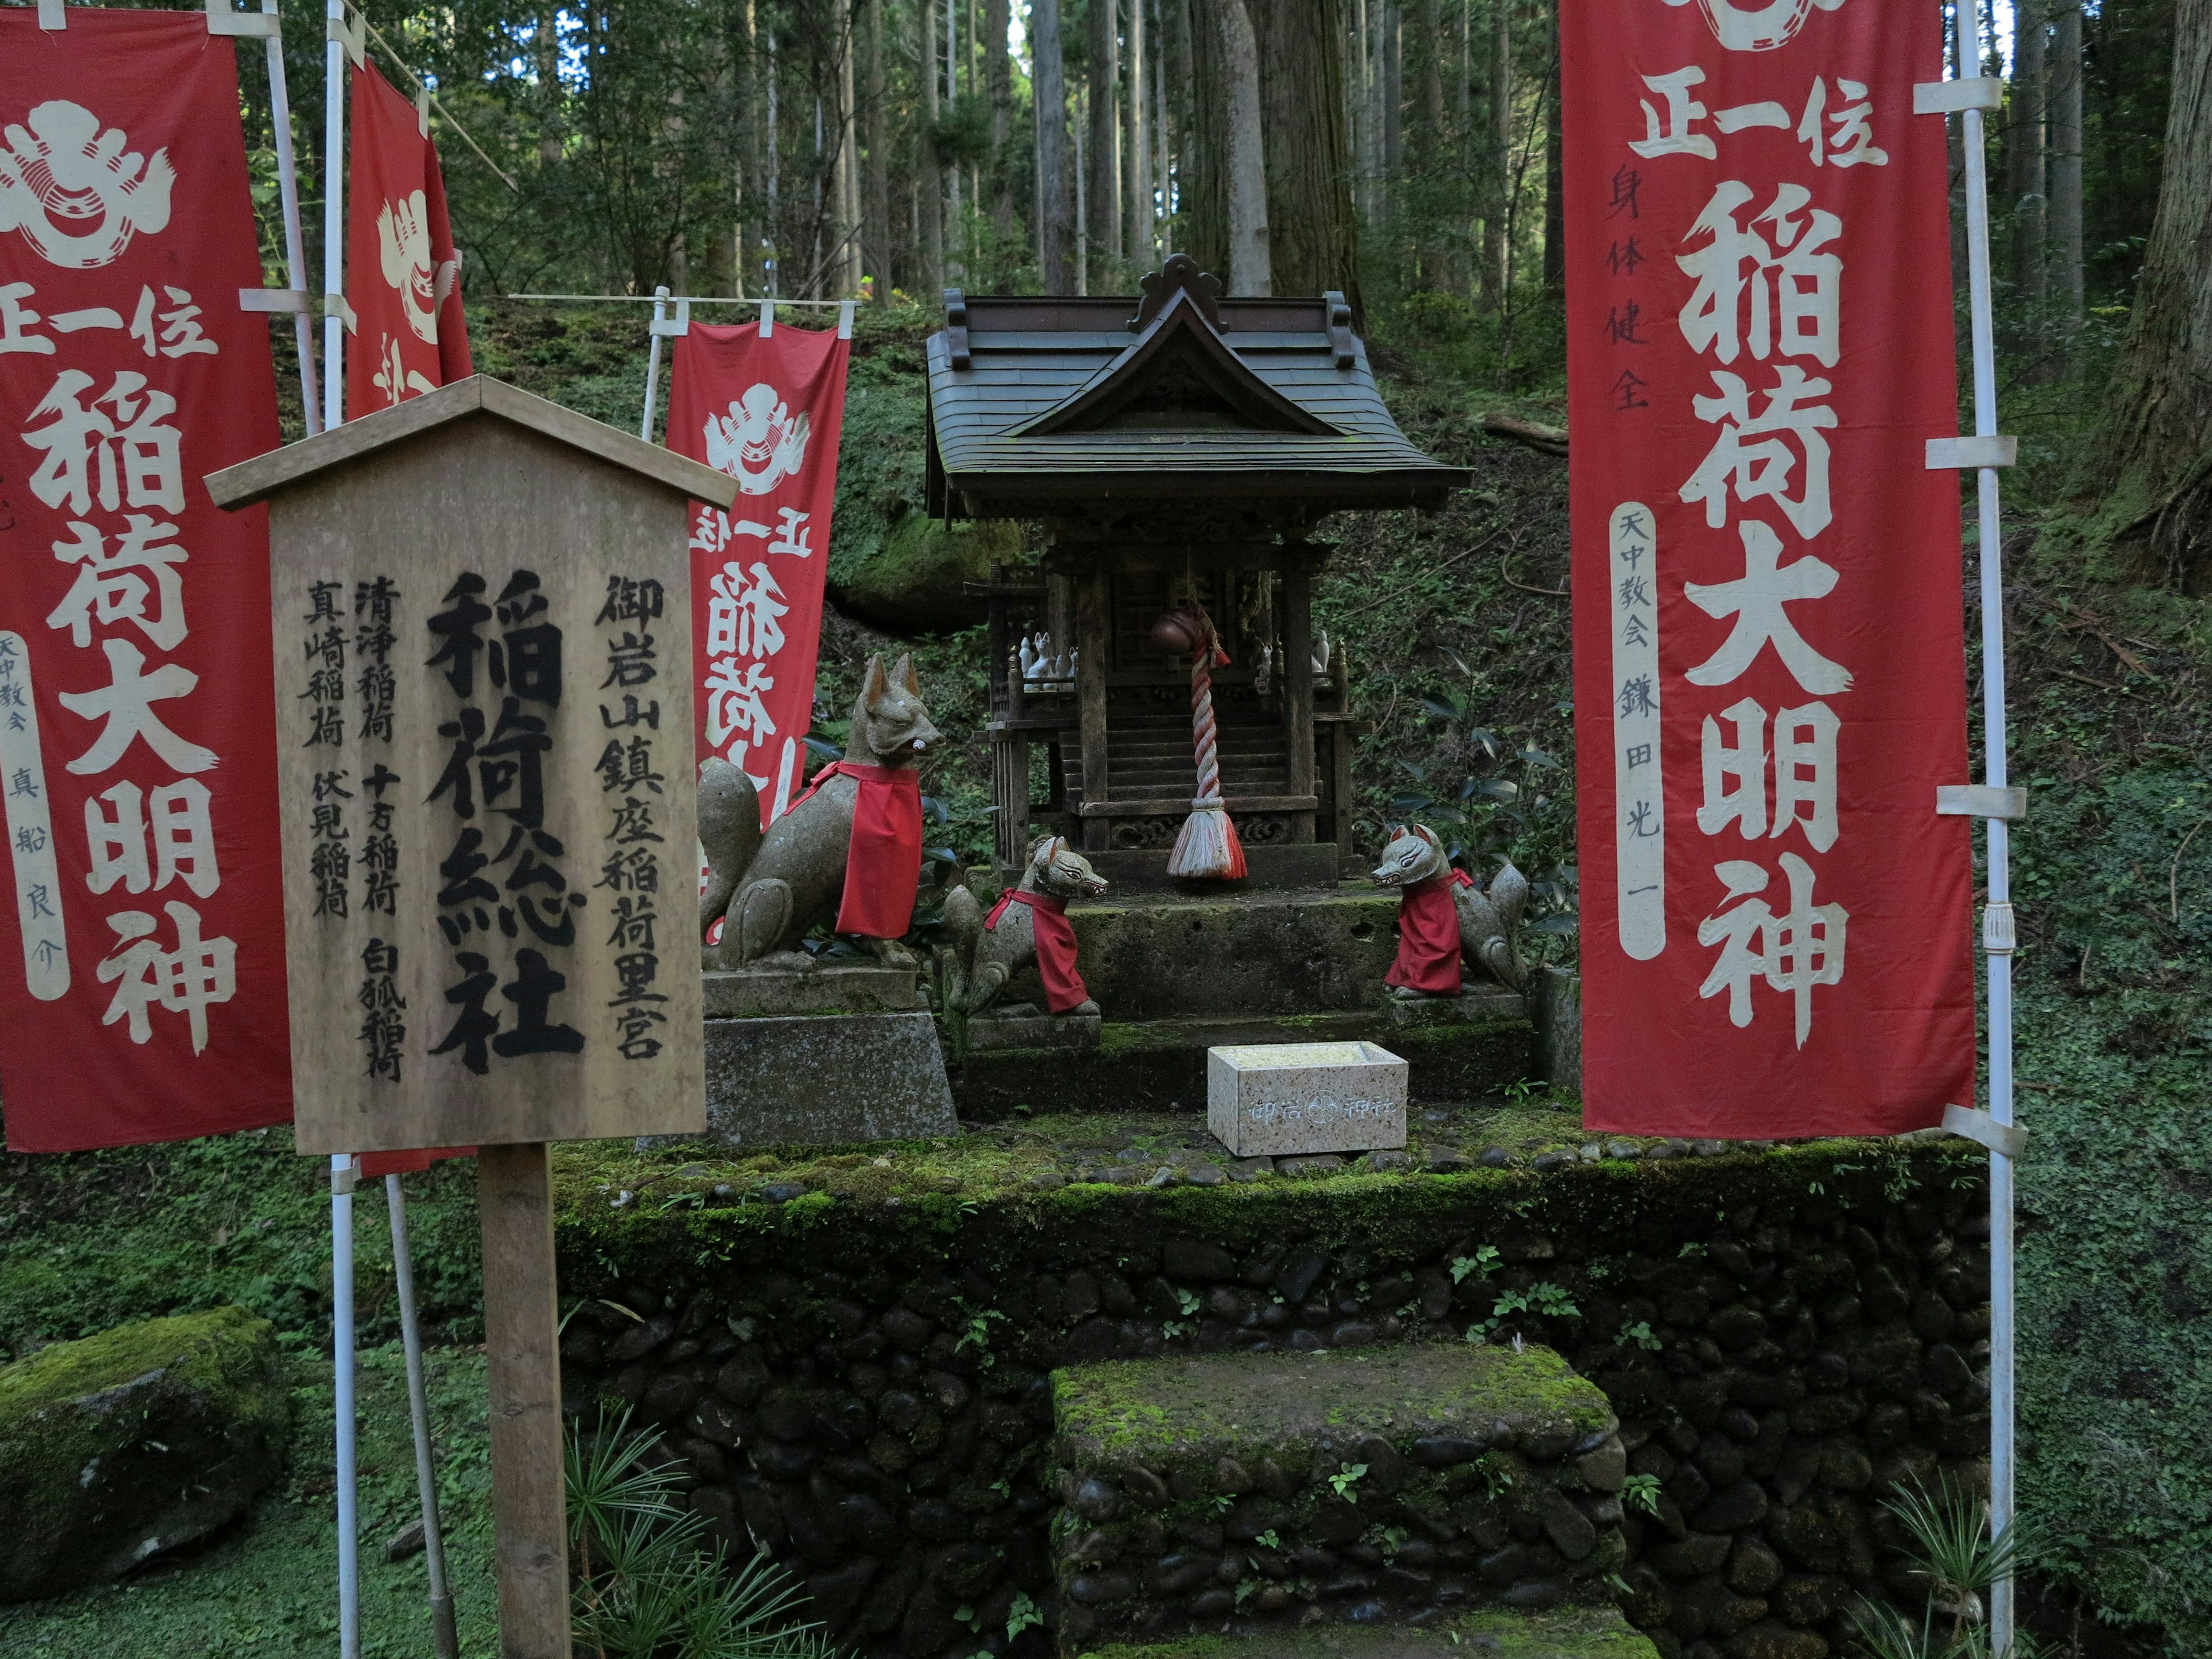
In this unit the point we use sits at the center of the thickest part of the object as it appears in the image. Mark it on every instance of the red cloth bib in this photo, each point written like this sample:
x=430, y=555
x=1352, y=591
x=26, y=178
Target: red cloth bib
x=882, y=858
x=1428, y=936
x=1055, y=946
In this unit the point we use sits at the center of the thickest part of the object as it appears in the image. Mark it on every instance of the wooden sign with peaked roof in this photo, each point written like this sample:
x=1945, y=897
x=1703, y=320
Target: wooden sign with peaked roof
x=482, y=618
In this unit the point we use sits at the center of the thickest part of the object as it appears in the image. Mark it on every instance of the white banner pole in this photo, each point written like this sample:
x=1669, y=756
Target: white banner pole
x=287, y=188
x=1997, y=803
x=1996, y=919
x=334, y=57
x=418, y=1406
x=343, y=1170
x=653, y=362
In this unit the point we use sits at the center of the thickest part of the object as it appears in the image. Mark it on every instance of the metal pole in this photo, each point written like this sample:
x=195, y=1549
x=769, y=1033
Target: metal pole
x=287, y=189
x=334, y=56
x=1996, y=918
x=418, y=1406
x=653, y=363
x=341, y=1185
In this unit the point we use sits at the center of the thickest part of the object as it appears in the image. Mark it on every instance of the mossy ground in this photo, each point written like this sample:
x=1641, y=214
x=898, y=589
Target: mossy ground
x=265, y=1587
x=1562, y=1633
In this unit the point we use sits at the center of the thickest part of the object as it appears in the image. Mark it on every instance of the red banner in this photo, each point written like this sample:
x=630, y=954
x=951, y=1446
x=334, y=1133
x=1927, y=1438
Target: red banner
x=767, y=412
x=145, y=1000
x=403, y=274
x=1770, y=674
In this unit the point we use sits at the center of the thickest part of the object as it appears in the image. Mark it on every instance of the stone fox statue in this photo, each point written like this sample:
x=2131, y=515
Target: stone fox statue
x=1433, y=896
x=850, y=845
x=1027, y=922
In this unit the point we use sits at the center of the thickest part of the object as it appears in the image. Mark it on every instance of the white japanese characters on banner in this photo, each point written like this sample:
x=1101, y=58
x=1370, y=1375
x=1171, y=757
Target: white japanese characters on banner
x=767, y=412
x=1769, y=665
x=137, y=747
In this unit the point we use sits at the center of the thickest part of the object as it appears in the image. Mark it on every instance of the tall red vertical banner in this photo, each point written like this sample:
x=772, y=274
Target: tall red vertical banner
x=769, y=412
x=1769, y=675
x=402, y=274
x=142, y=994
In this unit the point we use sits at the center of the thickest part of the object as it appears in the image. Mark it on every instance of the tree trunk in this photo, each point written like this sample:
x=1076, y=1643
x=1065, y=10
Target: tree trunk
x=849, y=264
x=1102, y=188
x=998, y=83
x=2030, y=189
x=1055, y=207
x=1313, y=239
x=1394, y=97
x=2154, y=456
x=1205, y=172
x=1249, y=270
x=546, y=40
x=1139, y=244
x=929, y=186
x=1555, y=215
x=875, y=188
x=1499, y=207
x=2066, y=253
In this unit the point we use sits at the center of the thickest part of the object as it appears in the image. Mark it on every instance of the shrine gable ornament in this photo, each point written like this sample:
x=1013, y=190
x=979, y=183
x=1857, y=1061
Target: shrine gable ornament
x=485, y=787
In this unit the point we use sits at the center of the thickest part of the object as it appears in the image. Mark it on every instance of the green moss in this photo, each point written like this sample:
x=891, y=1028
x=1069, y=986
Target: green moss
x=1561, y=1633
x=200, y=1350
x=1195, y=1411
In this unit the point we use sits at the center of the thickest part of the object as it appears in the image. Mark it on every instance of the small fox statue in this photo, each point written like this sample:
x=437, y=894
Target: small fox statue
x=1414, y=863
x=1028, y=923
x=770, y=889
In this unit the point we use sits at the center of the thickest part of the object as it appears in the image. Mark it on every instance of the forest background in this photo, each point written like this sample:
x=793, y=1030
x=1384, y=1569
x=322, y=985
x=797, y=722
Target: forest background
x=1403, y=151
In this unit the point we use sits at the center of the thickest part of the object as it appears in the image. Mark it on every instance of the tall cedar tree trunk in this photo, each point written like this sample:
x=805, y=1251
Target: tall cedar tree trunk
x=1205, y=176
x=2155, y=448
x=929, y=178
x=1056, y=211
x=1137, y=169
x=1429, y=145
x=999, y=81
x=2066, y=253
x=1495, y=219
x=1250, y=271
x=876, y=185
x=2030, y=189
x=1102, y=189
x=849, y=265
x=1178, y=85
x=1313, y=238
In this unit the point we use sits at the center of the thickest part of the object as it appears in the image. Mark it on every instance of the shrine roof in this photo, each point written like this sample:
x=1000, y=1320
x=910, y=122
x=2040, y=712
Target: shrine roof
x=1045, y=404
x=294, y=464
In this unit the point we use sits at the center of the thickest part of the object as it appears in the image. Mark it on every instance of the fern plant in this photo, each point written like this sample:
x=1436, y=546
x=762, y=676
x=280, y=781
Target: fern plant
x=648, y=1582
x=1955, y=1556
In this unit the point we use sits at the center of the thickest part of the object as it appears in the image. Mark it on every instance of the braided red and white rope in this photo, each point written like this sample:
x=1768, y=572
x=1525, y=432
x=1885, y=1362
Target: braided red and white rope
x=1207, y=844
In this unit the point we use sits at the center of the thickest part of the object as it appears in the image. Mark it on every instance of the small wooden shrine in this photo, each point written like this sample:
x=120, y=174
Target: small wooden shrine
x=1174, y=458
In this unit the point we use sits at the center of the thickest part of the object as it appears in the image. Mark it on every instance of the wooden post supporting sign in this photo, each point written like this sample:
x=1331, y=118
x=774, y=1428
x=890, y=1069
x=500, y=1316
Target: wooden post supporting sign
x=487, y=819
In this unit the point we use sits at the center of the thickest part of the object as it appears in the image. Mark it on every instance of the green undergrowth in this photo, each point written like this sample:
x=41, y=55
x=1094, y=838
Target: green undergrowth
x=265, y=1587
x=1561, y=1633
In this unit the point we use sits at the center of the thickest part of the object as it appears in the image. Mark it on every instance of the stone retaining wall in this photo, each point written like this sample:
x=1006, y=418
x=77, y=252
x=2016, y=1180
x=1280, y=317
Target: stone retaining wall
x=861, y=1386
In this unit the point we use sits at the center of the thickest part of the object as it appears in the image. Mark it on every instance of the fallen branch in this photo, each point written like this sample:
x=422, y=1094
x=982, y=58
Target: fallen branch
x=1505, y=558
x=2174, y=871
x=1547, y=440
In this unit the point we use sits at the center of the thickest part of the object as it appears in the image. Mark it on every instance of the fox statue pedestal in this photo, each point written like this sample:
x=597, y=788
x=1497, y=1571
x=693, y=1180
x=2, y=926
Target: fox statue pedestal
x=802, y=1050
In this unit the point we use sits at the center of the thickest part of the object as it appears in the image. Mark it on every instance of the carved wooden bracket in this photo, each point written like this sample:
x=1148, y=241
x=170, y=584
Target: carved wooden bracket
x=1180, y=274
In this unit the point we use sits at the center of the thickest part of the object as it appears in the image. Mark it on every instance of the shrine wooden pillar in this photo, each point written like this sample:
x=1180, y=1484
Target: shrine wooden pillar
x=1298, y=689
x=1092, y=624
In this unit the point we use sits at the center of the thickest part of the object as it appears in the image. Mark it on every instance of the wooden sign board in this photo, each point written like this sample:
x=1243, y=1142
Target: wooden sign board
x=484, y=731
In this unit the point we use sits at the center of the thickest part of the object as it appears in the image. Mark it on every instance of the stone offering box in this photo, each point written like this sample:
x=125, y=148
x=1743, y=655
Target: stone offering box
x=1273, y=1099
x=1397, y=1482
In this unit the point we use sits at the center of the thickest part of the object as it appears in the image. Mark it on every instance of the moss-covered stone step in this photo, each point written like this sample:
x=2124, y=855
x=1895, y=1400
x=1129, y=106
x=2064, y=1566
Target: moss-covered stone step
x=1369, y=1487
x=132, y=1442
x=1159, y=1065
x=1567, y=1632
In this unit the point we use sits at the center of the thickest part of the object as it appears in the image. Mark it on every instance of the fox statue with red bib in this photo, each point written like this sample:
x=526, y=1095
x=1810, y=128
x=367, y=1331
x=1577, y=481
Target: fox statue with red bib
x=1442, y=916
x=849, y=848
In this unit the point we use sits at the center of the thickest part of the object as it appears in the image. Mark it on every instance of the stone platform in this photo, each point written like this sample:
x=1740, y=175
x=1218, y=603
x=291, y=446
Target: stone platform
x=825, y=1079
x=1374, y=1488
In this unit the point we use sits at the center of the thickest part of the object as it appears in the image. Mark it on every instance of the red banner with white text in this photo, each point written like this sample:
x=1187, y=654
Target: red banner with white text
x=403, y=274
x=1770, y=675
x=143, y=996
x=769, y=413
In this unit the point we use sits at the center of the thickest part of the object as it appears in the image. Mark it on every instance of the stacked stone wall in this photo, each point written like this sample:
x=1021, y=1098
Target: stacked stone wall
x=862, y=1388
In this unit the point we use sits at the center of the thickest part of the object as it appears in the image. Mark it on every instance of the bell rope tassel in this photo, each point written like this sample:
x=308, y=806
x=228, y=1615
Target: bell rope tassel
x=1207, y=843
